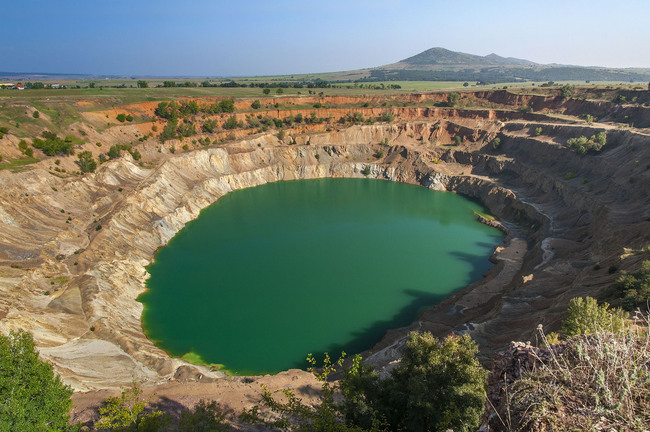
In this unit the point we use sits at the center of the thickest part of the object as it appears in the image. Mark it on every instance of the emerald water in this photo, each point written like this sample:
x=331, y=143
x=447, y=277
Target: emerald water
x=269, y=274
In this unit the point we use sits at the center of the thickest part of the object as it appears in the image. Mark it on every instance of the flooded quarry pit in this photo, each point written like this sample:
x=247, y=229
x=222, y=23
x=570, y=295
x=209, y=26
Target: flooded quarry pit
x=269, y=274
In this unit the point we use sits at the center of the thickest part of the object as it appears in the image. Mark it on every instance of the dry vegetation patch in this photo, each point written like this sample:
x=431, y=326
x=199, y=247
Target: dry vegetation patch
x=589, y=382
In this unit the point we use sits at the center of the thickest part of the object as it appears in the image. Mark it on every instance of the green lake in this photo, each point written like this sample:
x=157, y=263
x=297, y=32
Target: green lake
x=269, y=274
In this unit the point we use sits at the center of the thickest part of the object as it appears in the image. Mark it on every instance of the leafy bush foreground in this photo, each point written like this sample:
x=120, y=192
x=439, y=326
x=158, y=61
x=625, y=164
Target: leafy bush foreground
x=437, y=385
x=32, y=397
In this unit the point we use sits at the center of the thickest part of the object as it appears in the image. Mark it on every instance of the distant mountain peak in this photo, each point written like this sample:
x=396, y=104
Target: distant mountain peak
x=443, y=56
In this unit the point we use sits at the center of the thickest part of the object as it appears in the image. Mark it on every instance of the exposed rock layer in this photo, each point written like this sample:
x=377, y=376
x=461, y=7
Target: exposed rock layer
x=83, y=244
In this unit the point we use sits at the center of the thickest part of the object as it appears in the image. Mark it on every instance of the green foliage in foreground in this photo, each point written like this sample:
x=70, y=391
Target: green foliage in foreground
x=587, y=317
x=635, y=287
x=32, y=397
x=130, y=412
x=438, y=385
x=583, y=144
x=126, y=412
x=293, y=415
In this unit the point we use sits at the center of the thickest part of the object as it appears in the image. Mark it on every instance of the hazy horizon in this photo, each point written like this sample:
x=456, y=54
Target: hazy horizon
x=253, y=38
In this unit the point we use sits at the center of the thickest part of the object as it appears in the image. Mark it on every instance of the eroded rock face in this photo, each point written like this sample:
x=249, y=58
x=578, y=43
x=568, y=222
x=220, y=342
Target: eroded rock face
x=83, y=244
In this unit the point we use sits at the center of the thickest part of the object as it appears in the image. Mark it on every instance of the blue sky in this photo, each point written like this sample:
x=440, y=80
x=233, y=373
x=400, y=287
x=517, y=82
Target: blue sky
x=253, y=37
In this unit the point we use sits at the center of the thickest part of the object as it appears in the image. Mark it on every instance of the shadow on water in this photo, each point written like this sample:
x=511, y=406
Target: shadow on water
x=487, y=246
x=363, y=339
x=477, y=269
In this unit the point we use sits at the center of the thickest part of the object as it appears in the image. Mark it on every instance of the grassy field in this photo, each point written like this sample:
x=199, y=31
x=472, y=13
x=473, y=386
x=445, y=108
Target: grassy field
x=19, y=164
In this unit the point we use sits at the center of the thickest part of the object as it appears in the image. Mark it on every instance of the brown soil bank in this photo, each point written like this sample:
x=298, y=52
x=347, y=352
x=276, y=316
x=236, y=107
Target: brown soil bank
x=73, y=251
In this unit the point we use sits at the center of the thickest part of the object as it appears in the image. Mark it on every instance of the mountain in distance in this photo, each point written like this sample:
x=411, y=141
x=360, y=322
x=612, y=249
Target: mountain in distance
x=442, y=56
x=440, y=64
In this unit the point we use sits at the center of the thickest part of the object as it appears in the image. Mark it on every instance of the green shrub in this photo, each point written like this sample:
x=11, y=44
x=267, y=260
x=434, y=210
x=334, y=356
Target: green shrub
x=121, y=117
x=32, y=397
x=583, y=144
x=252, y=122
x=586, y=317
x=36, y=114
x=169, y=131
x=452, y=99
x=231, y=123
x=438, y=385
x=227, y=105
x=496, y=142
x=53, y=145
x=538, y=131
x=569, y=176
x=87, y=162
x=127, y=410
x=567, y=91
x=386, y=116
x=114, y=151
x=256, y=104
x=366, y=170
x=209, y=126
x=634, y=287
x=186, y=129
x=458, y=140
